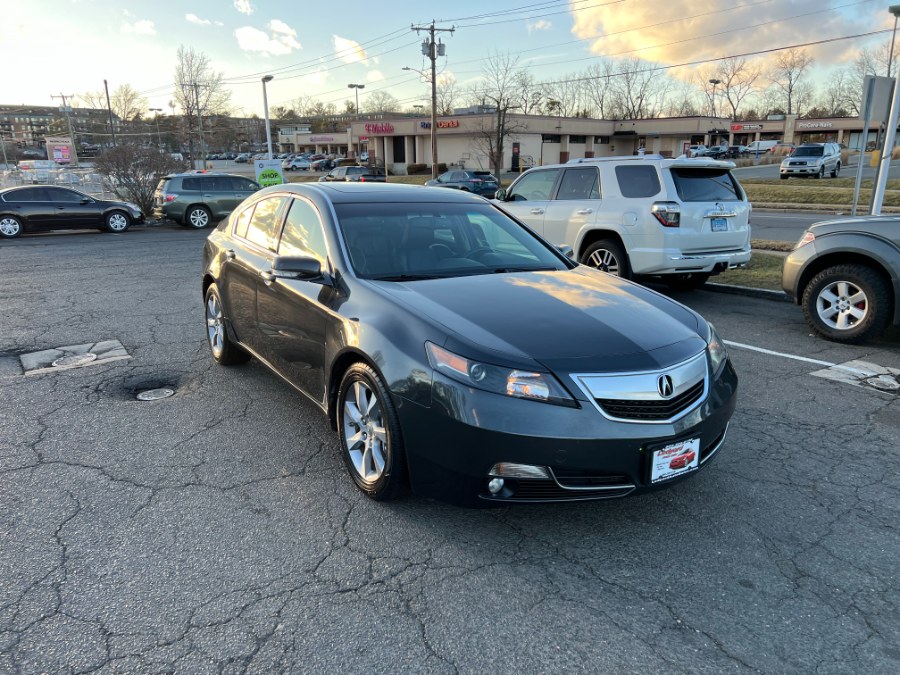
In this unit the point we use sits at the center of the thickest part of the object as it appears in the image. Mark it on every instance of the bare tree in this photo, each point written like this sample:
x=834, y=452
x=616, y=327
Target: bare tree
x=446, y=94
x=638, y=90
x=877, y=60
x=738, y=81
x=840, y=97
x=496, y=90
x=127, y=103
x=198, y=89
x=682, y=100
x=787, y=76
x=93, y=99
x=381, y=102
x=135, y=172
x=598, y=90
x=530, y=95
x=567, y=93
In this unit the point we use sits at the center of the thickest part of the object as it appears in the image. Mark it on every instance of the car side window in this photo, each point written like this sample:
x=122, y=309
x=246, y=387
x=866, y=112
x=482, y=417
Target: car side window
x=581, y=183
x=63, y=195
x=243, y=184
x=637, y=181
x=190, y=184
x=534, y=186
x=242, y=221
x=263, y=222
x=303, y=234
x=26, y=195
x=217, y=184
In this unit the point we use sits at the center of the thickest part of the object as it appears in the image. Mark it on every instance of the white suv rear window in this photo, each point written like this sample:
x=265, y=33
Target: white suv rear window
x=706, y=185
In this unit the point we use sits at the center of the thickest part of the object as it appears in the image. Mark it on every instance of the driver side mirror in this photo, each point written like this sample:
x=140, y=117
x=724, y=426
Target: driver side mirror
x=86, y=200
x=500, y=195
x=566, y=251
x=297, y=267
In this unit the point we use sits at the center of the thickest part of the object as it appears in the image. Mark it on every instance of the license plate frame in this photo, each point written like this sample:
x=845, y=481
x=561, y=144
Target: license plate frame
x=666, y=462
x=719, y=224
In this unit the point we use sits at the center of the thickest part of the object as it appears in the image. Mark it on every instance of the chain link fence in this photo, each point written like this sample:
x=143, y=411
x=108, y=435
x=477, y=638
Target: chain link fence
x=84, y=180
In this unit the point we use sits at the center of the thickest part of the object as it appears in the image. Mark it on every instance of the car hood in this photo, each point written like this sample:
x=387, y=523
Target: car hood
x=579, y=320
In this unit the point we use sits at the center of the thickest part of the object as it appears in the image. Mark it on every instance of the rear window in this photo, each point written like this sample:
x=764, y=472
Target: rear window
x=706, y=185
x=638, y=180
x=162, y=185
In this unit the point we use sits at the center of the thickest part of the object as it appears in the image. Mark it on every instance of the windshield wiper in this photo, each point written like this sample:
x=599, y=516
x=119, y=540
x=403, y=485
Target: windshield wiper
x=507, y=270
x=406, y=277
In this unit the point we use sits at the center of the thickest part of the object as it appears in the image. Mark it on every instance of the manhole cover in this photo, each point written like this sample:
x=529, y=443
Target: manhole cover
x=155, y=394
x=74, y=360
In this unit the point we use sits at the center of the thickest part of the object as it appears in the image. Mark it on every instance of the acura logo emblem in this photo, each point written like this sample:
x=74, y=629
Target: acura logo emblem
x=664, y=386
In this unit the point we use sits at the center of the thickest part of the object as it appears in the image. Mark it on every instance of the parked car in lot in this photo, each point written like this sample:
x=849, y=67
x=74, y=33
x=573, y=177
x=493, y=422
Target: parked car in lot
x=681, y=220
x=737, y=151
x=455, y=350
x=352, y=174
x=199, y=199
x=477, y=182
x=846, y=276
x=698, y=150
x=243, y=158
x=717, y=152
x=761, y=147
x=295, y=164
x=812, y=159
x=36, y=207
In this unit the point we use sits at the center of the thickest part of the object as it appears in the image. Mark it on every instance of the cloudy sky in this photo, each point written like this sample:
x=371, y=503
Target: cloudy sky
x=317, y=48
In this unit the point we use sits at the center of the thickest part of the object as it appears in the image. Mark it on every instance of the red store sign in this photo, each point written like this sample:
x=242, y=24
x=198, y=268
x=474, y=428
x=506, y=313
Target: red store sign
x=380, y=128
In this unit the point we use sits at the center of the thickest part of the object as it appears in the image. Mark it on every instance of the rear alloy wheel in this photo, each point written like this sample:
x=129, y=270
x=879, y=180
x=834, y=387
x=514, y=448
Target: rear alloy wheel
x=687, y=281
x=224, y=351
x=117, y=222
x=837, y=170
x=847, y=303
x=10, y=227
x=197, y=217
x=607, y=255
x=369, y=430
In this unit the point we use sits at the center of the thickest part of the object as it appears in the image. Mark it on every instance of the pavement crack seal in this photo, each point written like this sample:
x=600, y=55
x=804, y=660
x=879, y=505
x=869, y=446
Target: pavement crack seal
x=857, y=373
x=73, y=356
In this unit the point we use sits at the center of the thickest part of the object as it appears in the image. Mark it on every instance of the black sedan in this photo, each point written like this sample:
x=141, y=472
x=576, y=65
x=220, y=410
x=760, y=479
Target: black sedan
x=49, y=207
x=457, y=352
x=478, y=182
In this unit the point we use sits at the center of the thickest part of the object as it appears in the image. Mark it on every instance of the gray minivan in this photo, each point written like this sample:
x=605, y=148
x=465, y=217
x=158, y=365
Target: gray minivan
x=200, y=199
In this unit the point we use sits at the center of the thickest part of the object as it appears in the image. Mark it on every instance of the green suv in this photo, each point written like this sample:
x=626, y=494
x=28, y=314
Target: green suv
x=200, y=199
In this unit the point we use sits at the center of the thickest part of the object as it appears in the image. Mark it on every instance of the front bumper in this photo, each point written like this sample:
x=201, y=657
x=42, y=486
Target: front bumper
x=800, y=170
x=452, y=445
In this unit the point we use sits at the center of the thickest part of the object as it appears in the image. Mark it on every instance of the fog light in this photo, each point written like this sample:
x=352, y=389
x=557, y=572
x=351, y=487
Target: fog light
x=510, y=470
x=495, y=485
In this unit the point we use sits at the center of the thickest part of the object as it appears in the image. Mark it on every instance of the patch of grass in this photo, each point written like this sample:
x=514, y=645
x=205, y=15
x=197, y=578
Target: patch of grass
x=770, y=245
x=813, y=193
x=844, y=181
x=763, y=271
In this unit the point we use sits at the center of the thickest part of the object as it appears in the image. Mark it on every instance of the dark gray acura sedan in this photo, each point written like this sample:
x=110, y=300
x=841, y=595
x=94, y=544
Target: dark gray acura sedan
x=459, y=354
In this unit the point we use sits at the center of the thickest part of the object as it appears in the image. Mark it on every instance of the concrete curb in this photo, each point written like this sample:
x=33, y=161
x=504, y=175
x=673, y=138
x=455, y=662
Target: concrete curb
x=824, y=209
x=747, y=291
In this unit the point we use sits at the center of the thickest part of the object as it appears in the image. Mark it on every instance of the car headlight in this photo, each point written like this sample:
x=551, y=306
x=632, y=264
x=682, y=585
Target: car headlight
x=807, y=238
x=717, y=352
x=527, y=384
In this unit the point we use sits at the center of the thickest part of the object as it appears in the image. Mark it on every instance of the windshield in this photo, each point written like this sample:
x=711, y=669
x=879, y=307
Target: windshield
x=408, y=241
x=706, y=185
x=816, y=151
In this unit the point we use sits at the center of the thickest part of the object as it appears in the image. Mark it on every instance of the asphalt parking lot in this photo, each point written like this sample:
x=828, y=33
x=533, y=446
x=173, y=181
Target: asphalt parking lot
x=217, y=530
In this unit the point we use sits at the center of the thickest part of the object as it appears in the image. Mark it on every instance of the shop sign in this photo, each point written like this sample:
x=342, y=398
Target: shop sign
x=815, y=125
x=442, y=124
x=380, y=128
x=746, y=127
x=318, y=139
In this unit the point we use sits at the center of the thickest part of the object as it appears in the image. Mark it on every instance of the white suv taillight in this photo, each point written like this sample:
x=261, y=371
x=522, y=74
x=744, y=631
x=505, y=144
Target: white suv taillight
x=667, y=213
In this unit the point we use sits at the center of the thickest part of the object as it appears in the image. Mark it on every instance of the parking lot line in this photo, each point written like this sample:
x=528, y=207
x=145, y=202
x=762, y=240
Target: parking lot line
x=805, y=359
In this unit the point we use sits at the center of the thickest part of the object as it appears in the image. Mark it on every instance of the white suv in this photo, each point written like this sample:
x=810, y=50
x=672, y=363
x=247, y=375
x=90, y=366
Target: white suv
x=682, y=220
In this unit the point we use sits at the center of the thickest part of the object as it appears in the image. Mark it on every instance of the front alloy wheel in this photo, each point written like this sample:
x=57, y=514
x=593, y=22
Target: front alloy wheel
x=847, y=303
x=370, y=434
x=10, y=227
x=224, y=351
x=117, y=222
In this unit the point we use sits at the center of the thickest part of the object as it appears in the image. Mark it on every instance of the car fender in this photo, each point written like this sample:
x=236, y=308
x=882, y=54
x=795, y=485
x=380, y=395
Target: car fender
x=599, y=227
x=858, y=244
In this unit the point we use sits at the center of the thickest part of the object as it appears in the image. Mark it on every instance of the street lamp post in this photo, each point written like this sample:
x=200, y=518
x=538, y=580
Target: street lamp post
x=158, y=134
x=357, y=87
x=267, y=78
x=714, y=82
x=890, y=135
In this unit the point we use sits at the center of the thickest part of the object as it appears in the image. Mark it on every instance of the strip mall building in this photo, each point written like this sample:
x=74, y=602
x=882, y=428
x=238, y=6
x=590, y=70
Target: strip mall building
x=542, y=139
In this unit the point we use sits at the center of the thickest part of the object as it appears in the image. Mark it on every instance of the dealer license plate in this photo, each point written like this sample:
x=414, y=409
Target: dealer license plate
x=674, y=460
x=719, y=225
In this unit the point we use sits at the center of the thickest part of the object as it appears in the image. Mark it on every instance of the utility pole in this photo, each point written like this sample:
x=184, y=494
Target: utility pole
x=200, y=125
x=432, y=50
x=112, y=128
x=66, y=109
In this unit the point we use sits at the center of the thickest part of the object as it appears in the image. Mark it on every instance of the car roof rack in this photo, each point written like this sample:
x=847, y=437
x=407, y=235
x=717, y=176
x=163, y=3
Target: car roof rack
x=618, y=158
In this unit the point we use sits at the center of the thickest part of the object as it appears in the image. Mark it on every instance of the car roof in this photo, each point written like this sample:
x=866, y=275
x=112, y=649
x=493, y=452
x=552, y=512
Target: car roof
x=665, y=162
x=375, y=193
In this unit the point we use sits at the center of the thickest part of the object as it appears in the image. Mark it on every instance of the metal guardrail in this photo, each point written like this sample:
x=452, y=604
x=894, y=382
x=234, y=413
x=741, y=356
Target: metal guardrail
x=84, y=180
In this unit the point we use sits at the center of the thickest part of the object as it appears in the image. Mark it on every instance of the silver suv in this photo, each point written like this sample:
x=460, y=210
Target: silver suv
x=682, y=220
x=813, y=159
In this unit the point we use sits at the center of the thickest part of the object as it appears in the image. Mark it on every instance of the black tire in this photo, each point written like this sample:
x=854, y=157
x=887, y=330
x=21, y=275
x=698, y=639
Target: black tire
x=784, y=176
x=224, y=351
x=10, y=227
x=688, y=281
x=824, y=299
x=391, y=481
x=198, y=217
x=608, y=256
x=821, y=174
x=837, y=170
x=117, y=222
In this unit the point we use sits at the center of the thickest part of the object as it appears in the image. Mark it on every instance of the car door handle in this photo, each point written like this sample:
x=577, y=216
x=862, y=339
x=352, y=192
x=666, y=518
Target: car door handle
x=230, y=254
x=536, y=212
x=584, y=212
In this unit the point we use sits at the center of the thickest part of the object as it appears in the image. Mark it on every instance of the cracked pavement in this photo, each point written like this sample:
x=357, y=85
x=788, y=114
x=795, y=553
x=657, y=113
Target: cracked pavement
x=217, y=530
